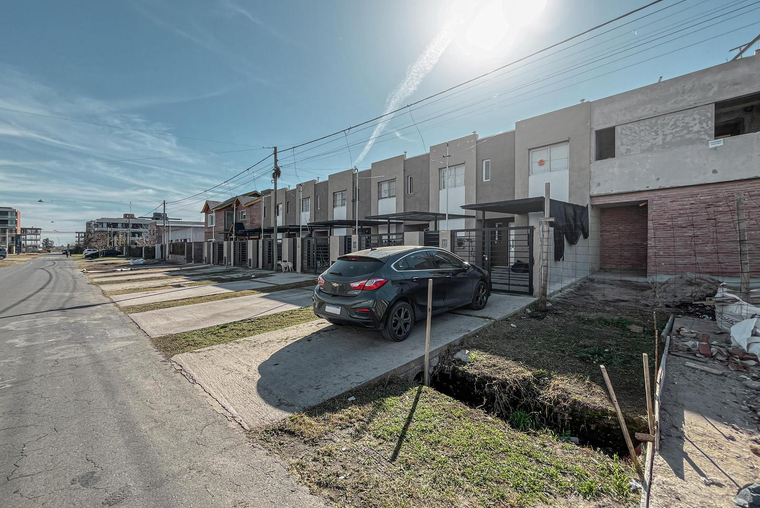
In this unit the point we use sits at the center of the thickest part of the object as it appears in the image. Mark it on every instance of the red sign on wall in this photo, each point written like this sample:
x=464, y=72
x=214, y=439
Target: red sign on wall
x=541, y=162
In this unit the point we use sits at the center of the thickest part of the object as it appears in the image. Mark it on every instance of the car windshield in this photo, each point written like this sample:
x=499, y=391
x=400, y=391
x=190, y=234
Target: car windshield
x=354, y=267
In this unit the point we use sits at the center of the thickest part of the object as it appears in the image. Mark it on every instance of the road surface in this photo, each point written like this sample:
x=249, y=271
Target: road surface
x=91, y=415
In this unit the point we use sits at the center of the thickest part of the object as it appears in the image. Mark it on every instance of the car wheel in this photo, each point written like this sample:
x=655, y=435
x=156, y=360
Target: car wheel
x=399, y=322
x=480, y=298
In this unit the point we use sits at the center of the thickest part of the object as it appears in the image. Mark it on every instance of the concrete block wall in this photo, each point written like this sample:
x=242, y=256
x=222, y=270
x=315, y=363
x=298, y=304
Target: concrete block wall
x=693, y=229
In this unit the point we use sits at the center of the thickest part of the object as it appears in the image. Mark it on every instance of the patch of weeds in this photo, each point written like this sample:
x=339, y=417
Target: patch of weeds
x=601, y=355
x=618, y=322
x=521, y=420
x=171, y=345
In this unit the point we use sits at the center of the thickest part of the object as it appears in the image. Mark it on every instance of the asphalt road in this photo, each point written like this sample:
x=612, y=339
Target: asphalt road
x=92, y=415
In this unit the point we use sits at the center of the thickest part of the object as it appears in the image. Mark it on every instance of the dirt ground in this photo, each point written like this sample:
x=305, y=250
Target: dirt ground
x=709, y=434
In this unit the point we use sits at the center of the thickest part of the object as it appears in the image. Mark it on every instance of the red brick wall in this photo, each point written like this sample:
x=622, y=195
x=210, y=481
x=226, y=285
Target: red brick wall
x=252, y=220
x=693, y=229
x=624, y=237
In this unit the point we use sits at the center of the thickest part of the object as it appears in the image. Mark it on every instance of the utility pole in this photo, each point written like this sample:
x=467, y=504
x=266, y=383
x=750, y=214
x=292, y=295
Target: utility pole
x=163, y=234
x=356, y=201
x=741, y=219
x=275, y=176
x=234, y=218
x=129, y=229
x=744, y=47
x=300, y=210
x=544, y=230
x=447, y=184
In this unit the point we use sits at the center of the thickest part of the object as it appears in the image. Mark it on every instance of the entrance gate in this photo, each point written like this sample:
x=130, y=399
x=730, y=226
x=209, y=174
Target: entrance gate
x=315, y=254
x=266, y=254
x=241, y=253
x=506, y=253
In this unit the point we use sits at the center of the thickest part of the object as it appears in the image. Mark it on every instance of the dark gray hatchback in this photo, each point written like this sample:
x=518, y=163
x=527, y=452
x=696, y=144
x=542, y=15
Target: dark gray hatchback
x=386, y=288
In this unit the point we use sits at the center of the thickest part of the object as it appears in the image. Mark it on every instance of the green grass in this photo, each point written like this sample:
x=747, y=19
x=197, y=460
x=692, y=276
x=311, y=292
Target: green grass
x=171, y=345
x=401, y=445
x=135, y=309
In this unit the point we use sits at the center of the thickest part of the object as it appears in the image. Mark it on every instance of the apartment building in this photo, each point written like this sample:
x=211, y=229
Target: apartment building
x=10, y=229
x=31, y=239
x=124, y=230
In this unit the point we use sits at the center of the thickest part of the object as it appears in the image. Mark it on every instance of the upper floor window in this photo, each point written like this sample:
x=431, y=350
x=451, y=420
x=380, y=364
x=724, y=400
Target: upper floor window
x=605, y=144
x=550, y=158
x=409, y=186
x=319, y=203
x=265, y=211
x=487, y=170
x=455, y=177
x=211, y=220
x=287, y=207
x=737, y=116
x=241, y=215
x=339, y=199
x=279, y=210
x=305, y=204
x=386, y=189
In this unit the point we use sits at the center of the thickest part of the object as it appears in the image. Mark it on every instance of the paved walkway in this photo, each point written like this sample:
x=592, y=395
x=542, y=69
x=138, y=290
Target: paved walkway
x=264, y=378
x=166, y=295
x=201, y=315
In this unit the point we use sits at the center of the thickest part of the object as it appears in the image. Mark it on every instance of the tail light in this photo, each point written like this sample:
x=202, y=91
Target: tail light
x=368, y=284
x=321, y=279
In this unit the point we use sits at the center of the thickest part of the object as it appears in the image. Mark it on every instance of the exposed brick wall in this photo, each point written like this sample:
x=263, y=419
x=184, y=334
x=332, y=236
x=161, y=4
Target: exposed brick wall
x=693, y=229
x=252, y=220
x=624, y=237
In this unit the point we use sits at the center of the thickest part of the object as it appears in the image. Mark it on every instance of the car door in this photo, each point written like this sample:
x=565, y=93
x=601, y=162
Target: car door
x=456, y=278
x=417, y=268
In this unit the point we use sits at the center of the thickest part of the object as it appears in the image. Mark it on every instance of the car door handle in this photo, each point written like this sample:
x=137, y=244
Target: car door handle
x=415, y=279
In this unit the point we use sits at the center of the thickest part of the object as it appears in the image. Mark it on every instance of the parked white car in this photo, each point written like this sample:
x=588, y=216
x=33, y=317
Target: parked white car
x=89, y=251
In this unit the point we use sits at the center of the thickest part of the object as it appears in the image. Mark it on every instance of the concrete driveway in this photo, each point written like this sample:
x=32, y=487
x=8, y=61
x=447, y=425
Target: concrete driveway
x=261, y=379
x=201, y=315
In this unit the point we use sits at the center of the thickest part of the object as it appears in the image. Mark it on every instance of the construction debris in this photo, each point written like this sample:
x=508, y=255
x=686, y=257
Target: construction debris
x=685, y=288
x=704, y=369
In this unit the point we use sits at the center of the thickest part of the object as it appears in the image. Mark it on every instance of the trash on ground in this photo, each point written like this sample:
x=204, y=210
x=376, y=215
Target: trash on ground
x=139, y=261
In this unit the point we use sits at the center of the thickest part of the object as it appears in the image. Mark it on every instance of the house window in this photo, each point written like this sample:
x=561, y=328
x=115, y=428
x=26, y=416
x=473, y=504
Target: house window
x=409, y=186
x=241, y=215
x=265, y=211
x=487, y=170
x=279, y=210
x=287, y=207
x=319, y=203
x=737, y=116
x=211, y=220
x=339, y=199
x=305, y=205
x=550, y=159
x=228, y=219
x=455, y=177
x=605, y=144
x=386, y=189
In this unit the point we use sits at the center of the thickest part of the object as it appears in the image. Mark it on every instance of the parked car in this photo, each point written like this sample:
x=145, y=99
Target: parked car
x=386, y=288
x=89, y=251
x=110, y=253
x=3, y=253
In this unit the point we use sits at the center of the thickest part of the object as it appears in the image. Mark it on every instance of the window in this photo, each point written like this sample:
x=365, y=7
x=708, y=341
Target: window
x=409, y=187
x=443, y=260
x=306, y=204
x=605, y=144
x=415, y=261
x=265, y=211
x=386, y=189
x=737, y=116
x=228, y=219
x=211, y=218
x=319, y=203
x=487, y=170
x=287, y=207
x=550, y=159
x=455, y=177
x=279, y=210
x=241, y=215
x=339, y=199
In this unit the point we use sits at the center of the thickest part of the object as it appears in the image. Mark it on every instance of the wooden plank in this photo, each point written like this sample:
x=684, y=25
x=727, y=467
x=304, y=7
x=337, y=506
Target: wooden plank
x=623, y=425
x=648, y=391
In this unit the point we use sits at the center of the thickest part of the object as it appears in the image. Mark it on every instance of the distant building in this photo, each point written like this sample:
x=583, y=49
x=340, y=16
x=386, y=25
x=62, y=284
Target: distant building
x=119, y=229
x=31, y=239
x=79, y=240
x=10, y=229
x=178, y=231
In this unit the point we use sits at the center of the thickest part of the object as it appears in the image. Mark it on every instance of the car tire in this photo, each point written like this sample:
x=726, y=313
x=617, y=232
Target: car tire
x=480, y=298
x=399, y=322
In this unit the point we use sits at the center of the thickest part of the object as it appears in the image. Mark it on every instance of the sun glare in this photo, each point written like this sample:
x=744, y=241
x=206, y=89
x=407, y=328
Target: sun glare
x=500, y=20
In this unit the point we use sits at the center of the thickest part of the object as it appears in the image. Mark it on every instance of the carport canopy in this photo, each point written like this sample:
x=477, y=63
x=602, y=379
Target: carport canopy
x=346, y=223
x=511, y=206
x=417, y=217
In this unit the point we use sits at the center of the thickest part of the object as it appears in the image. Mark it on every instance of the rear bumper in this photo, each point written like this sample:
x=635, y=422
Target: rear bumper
x=349, y=309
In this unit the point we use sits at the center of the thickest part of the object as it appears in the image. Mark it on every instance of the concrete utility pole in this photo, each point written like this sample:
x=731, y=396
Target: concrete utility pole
x=447, y=184
x=275, y=176
x=234, y=218
x=129, y=230
x=300, y=210
x=741, y=220
x=356, y=200
x=544, y=223
x=163, y=234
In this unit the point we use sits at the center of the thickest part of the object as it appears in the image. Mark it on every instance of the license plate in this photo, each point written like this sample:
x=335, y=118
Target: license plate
x=332, y=309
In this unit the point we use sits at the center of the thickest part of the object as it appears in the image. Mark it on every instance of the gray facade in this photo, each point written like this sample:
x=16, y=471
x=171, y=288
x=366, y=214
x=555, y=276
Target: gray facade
x=499, y=150
x=418, y=168
x=321, y=202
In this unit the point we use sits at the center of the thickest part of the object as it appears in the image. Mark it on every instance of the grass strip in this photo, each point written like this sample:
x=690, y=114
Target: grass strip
x=146, y=307
x=398, y=444
x=211, y=279
x=150, y=289
x=171, y=345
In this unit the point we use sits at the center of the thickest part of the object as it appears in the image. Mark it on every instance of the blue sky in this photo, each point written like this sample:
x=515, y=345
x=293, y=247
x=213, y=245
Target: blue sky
x=185, y=93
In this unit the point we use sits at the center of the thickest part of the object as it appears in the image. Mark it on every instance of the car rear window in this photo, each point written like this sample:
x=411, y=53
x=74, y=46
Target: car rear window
x=354, y=267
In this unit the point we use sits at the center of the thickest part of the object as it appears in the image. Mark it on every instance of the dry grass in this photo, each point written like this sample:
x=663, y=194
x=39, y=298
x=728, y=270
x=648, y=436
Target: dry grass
x=400, y=445
x=135, y=309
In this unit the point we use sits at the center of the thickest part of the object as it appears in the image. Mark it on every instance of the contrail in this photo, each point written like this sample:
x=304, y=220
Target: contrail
x=414, y=76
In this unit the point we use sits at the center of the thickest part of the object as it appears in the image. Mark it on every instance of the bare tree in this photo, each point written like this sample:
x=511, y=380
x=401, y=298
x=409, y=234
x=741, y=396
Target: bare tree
x=151, y=238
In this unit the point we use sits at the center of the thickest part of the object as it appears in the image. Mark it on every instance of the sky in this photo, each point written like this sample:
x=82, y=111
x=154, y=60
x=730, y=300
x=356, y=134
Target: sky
x=107, y=107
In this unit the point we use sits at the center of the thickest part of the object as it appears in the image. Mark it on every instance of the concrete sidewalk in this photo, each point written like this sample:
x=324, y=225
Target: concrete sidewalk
x=201, y=315
x=137, y=275
x=262, y=379
x=166, y=295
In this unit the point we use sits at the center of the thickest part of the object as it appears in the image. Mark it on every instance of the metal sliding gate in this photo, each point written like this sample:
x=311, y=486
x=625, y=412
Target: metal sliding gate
x=507, y=254
x=267, y=259
x=432, y=238
x=315, y=254
x=380, y=240
x=241, y=253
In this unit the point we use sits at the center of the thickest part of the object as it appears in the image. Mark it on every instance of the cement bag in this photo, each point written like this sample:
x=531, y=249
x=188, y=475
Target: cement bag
x=730, y=309
x=746, y=335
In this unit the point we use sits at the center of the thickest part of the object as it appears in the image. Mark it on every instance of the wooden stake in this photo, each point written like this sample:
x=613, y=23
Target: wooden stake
x=648, y=390
x=623, y=426
x=741, y=222
x=656, y=345
x=427, y=333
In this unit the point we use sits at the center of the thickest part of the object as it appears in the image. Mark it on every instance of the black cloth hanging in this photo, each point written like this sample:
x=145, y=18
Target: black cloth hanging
x=570, y=222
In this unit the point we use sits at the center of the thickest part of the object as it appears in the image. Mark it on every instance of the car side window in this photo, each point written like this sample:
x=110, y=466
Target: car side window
x=415, y=261
x=442, y=260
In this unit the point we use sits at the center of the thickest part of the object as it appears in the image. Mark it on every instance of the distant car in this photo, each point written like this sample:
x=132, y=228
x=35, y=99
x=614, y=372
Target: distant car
x=386, y=288
x=110, y=253
x=3, y=253
x=64, y=252
x=89, y=251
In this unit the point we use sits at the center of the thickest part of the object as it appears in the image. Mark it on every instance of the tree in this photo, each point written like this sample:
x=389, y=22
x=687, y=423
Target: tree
x=150, y=239
x=47, y=244
x=97, y=240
